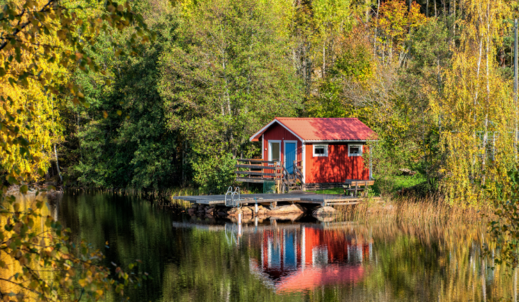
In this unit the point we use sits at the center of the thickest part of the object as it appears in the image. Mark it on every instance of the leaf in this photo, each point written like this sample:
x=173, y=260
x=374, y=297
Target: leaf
x=24, y=189
x=105, y=114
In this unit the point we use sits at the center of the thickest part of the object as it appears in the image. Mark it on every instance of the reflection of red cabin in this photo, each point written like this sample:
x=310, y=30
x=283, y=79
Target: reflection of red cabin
x=330, y=149
x=297, y=260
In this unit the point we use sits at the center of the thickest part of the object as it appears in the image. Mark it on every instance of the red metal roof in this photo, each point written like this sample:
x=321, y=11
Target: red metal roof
x=323, y=129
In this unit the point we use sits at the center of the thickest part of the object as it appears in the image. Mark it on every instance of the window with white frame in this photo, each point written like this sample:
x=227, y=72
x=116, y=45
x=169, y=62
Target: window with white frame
x=320, y=150
x=354, y=150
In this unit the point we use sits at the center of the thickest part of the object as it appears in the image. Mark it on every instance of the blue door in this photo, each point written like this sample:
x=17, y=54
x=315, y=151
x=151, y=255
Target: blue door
x=290, y=156
x=290, y=249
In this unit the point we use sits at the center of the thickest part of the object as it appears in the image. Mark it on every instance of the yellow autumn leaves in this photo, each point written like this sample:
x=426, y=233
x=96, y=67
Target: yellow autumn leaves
x=475, y=109
x=29, y=118
x=42, y=43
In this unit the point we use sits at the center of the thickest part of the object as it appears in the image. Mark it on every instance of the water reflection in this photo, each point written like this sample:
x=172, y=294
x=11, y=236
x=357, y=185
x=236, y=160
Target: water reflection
x=202, y=259
x=306, y=257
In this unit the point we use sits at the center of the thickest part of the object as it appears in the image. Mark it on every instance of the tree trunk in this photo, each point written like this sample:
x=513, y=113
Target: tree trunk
x=57, y=163
x=324, y=59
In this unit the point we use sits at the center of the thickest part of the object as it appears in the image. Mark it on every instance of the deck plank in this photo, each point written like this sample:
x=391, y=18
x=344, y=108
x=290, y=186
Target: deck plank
x=300, y=197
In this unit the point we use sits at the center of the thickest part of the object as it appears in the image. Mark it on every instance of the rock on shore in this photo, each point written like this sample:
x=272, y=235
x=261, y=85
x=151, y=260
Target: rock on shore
x=285, y=210
x=324, y=211
x=247, y=211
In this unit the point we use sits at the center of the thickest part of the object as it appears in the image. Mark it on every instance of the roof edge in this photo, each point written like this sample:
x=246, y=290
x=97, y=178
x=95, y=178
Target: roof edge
x=289, y=130
x=341, y=141
x=254, y=138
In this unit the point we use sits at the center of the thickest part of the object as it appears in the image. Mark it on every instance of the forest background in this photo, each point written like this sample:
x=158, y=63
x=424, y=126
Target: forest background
x=158, y=94
x=432, y=77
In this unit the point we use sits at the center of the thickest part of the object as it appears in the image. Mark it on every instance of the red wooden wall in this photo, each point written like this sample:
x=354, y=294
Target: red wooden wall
x=277, y=132
x=336, y=167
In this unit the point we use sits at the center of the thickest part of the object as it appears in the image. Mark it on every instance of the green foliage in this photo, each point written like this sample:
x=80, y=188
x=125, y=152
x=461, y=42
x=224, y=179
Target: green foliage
x=124, y=139
x=354, y=66
x=214, y=174
x=226, y=76
x=220, y=83
x=355, y=63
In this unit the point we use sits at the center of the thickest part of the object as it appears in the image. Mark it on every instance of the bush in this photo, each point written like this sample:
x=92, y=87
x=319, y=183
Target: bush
x=214, y=174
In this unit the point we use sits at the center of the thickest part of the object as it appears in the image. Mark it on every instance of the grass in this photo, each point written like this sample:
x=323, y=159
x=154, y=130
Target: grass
x=399, y=182
x=329, y=191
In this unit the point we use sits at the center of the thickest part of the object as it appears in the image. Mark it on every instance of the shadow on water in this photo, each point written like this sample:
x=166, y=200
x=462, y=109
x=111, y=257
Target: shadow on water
x=193, y=259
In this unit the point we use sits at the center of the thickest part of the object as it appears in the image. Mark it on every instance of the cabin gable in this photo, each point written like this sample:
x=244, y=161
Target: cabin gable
x=278, y=133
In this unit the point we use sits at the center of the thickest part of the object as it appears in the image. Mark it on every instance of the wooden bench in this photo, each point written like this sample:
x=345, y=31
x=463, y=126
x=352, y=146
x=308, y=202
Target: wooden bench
x=356, y=185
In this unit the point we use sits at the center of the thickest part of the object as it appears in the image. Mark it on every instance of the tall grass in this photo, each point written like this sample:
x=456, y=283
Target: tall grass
x=183, y=192
x=431, y=210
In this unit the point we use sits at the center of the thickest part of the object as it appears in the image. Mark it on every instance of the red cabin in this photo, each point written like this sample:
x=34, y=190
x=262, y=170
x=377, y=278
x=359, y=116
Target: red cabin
x=330, y=150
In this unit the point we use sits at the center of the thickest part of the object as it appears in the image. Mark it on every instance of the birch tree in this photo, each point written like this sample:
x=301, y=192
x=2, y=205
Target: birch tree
x=475, y=108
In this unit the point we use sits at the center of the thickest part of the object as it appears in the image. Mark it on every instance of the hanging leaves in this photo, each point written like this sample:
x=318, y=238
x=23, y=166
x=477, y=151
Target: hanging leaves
x=41, y=43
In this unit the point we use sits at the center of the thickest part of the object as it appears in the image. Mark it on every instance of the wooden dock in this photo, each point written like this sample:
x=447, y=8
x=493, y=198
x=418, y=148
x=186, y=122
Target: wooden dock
x=303, y=197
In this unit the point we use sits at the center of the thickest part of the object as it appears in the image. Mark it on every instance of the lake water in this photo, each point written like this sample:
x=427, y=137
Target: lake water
x=199, y=259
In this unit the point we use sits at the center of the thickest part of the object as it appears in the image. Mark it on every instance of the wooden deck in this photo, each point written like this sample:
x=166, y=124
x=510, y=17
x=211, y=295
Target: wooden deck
x=303, y=197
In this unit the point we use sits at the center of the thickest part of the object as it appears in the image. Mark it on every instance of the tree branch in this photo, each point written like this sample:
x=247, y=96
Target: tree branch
x=18, y=284
x=18, y=30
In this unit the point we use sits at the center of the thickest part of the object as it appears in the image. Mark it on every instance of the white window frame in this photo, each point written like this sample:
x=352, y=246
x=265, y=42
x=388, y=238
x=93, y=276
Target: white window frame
x=325, y=150
x=262, y=147
x=355, y=145
x=270, y=149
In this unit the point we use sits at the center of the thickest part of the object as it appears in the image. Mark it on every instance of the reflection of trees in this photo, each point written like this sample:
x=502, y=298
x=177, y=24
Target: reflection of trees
x=134, y=230
x=434, y=263
x=186, y=264
x=408, y=262
x=12, y=265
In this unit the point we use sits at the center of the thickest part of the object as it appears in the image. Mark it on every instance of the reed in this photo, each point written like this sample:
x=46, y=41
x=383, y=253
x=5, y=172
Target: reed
x=433, y=209
x=182, y=204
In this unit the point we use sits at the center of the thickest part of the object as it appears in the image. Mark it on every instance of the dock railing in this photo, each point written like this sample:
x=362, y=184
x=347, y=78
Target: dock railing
x=257, y=170
x=261, y=171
